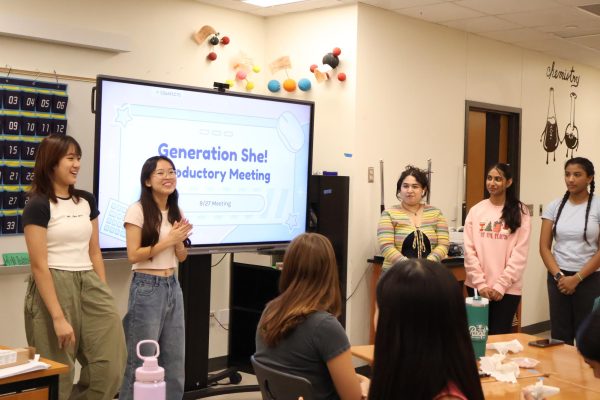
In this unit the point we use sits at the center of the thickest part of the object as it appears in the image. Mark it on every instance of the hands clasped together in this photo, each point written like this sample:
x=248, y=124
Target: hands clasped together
x=567, y=284
x=180, y=231
x=491, y=294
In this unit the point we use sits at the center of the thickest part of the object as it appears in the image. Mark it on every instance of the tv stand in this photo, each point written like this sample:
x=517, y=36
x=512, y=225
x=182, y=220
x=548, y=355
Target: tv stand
x=251, y=288
x=194, y=278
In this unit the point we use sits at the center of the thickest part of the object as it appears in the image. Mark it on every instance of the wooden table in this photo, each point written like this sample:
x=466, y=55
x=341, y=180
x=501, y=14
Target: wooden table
x=563, y=365
x=36, y=385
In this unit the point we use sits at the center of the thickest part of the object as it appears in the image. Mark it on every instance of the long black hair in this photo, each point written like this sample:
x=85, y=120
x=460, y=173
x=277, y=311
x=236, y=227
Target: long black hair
x=588, y=167
x=422, y=341
x=152, y=214
x=513, y=207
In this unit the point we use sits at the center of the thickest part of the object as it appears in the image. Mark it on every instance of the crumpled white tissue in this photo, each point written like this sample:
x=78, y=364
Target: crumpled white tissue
x=503, y=372
x=525, y=362
x=541, y=391
x=514, y=346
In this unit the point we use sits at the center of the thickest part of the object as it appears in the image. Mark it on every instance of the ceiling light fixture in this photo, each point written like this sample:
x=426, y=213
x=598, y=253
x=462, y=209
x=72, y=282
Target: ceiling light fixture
x=270, y=3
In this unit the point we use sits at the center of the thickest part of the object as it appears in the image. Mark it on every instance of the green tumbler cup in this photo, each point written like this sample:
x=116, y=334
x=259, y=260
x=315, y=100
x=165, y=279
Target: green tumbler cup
x=477, y=318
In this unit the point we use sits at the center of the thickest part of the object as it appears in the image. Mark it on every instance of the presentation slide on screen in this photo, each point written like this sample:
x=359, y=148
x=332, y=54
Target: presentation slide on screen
x=242, y=163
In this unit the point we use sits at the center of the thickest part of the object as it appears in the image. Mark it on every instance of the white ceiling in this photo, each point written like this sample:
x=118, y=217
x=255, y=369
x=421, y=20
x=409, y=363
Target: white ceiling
x=556, y=27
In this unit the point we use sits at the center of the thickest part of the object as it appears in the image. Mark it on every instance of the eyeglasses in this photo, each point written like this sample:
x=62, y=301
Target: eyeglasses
x=161, y=173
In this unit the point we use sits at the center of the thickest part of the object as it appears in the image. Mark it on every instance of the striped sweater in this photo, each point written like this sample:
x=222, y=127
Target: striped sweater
x=395, y=225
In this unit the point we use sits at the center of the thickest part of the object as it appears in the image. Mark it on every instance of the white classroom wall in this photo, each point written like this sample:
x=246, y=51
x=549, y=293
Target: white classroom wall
x=414, y=80
x=403, y=102
x=162, y=49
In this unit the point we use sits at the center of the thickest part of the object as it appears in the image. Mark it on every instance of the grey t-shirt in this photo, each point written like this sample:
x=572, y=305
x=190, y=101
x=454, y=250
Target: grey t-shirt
x=306, y=351
x=570, y=251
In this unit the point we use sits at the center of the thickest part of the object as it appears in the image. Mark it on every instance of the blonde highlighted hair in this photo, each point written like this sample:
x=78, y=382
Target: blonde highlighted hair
x=309, y=282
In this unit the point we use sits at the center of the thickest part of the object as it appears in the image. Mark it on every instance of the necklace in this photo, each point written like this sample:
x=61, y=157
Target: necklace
x=411, y=211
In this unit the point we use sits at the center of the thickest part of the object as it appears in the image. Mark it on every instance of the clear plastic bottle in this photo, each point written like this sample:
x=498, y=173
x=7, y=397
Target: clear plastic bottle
x=150, y=377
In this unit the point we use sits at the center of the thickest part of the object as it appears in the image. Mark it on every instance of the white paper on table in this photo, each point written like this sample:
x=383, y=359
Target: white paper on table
x=514, y=346
x=503, y=372
x=541, y=391
x=32, y=365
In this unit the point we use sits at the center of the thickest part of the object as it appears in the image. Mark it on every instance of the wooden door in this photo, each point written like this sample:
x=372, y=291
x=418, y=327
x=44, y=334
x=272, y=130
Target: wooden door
x=475, y=158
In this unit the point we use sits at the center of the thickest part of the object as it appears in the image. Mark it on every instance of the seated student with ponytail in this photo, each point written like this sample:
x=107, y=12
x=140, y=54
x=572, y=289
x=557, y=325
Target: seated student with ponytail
x=573, y=223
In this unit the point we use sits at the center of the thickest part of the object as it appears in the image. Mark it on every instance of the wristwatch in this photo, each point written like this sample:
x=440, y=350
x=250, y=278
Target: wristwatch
x=558, y=275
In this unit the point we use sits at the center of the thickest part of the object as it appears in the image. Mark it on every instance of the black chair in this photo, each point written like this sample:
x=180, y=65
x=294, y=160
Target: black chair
x=277, y=385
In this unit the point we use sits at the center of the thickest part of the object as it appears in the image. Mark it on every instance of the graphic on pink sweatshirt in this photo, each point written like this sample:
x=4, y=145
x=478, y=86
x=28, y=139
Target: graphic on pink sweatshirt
x=494, y=229
x=495, y=257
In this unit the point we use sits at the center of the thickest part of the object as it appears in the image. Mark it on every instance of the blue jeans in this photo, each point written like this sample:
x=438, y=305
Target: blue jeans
x=155, y=311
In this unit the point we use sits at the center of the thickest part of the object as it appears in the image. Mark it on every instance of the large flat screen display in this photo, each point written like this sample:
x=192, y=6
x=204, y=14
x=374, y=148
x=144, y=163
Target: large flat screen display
x=242, y=161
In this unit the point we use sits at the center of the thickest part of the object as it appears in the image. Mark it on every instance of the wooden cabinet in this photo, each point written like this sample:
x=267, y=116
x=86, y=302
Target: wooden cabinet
x=36, y=394
x=36, y=385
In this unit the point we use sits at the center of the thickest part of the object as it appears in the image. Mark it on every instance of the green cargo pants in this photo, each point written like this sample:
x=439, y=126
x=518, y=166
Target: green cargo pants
x=88, y=306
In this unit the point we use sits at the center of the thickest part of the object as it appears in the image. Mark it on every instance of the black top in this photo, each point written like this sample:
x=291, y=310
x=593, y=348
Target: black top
x=416, y=245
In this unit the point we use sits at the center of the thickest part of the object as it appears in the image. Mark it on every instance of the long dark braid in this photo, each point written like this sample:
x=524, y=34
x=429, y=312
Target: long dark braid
x=560, y=208
x=589, y=170
x=587, y=210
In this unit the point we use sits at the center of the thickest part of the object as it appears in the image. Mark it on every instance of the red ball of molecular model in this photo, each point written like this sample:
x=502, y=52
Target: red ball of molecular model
x=214, y=41
x=208, y=32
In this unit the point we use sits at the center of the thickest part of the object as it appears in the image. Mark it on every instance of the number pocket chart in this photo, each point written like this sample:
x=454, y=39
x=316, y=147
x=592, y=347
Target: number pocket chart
x=29, y=111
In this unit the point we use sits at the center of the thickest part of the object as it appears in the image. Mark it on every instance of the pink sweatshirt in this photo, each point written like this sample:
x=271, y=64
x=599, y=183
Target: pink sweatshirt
x=494, y=256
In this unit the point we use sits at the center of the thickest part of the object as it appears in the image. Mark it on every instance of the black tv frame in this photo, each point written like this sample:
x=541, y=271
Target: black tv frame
x=270, y=246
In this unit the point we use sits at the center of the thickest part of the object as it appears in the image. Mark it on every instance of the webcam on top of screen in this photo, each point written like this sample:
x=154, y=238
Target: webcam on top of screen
x=221, y=86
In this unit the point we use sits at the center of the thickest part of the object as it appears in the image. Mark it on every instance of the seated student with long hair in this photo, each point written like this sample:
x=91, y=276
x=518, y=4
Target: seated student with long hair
x=423, y=349
x=298, y=332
